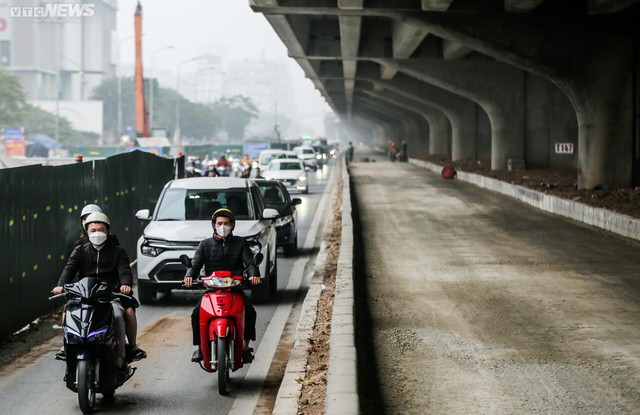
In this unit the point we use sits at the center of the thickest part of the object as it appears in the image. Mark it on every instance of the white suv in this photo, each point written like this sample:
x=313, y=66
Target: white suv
x=182, y=218
x=308, y=156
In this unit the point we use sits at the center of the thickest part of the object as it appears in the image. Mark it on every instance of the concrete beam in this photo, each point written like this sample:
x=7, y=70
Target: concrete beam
x=289, y=37
x=521, y=6
x=610, y=6
x=436, y=5
x=351, y=4
x=350, y=28
x=454, y=50
x=496, y=87
x=405, y=40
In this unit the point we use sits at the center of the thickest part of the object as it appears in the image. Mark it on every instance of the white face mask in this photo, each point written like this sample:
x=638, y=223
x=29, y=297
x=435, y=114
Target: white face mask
x=223, y=230
x=98, y=238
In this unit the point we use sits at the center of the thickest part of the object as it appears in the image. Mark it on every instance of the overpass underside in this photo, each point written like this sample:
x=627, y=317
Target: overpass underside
x=519, y=80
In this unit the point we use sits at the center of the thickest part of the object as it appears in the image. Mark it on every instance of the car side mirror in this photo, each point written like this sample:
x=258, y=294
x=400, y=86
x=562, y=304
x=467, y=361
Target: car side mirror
x=258, y=258
x=270, y=213
x=296, y=201
x=185, y=260
x=143, y=214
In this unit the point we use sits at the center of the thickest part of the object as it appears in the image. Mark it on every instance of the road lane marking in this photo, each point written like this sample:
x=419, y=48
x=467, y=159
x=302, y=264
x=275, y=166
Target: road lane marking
x=259, y=368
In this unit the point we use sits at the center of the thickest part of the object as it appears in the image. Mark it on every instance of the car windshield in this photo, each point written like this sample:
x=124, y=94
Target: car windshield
x=266, y=158
x=272, y=194
x=289, y=165
x=199, y=204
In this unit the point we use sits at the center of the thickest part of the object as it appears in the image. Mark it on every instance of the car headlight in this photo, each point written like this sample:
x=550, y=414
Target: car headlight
x=148, y=249
x=318, y=156
x=302, y=178
x=283, y=220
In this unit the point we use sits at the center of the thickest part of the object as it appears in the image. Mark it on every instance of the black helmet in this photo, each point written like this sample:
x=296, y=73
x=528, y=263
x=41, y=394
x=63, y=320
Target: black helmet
x=226, y=213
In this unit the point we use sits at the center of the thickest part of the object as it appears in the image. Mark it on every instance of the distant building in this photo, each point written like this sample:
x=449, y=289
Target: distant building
x=54, y=50
x=266, y=82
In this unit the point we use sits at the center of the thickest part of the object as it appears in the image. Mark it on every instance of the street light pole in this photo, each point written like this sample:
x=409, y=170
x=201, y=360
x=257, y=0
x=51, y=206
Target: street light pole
x=119, y=87
x=152, y=84
x=177, y=132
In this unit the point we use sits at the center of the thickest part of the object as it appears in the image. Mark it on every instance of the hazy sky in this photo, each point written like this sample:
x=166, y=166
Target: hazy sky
x=230, y=26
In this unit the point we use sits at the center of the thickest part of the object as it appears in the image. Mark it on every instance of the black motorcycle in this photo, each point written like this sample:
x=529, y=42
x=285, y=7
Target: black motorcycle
x=91, y=341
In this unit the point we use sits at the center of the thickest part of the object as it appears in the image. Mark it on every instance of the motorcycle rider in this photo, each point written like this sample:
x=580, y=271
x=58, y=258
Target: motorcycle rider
x=84, y=238
x=224, y=251
x=101, y=257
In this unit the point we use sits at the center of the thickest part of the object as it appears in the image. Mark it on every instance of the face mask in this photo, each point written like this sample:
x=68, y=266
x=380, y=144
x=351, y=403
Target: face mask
x=223, y=230
x=98, y=238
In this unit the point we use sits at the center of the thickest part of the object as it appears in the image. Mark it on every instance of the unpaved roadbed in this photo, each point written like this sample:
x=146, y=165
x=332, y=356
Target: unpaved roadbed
x=480, y=304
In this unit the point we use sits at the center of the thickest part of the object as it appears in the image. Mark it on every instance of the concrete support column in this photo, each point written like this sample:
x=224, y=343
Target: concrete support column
x=439, y=128
x=375, y=130
x=392, y=126
x=550, y=119
x=498, y=88
x=416, y=127
x=591, y=58
x=460, y=111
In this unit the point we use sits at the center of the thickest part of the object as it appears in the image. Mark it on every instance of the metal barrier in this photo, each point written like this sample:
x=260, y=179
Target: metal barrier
x=39, y=221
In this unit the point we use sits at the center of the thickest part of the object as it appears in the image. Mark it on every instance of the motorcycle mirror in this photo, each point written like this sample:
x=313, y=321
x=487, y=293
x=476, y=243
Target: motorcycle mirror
x=185, y=260
x=258, y=258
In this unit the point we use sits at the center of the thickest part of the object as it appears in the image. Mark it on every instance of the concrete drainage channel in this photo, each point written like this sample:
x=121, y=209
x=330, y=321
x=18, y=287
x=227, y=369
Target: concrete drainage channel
x=342, y=377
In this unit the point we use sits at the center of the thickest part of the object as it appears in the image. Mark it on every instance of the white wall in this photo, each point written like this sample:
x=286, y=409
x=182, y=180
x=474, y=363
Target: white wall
x=83, y=115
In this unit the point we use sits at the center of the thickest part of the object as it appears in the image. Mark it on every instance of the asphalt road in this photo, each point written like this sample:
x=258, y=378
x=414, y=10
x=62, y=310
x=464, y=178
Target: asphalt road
x=167, y=382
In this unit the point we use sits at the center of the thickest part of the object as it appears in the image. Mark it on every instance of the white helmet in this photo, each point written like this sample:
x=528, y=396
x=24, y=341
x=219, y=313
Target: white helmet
x=90, y=209
x=97, y=217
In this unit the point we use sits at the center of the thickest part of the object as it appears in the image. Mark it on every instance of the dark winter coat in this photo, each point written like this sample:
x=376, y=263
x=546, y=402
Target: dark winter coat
x=231, y=254
x=110, y=263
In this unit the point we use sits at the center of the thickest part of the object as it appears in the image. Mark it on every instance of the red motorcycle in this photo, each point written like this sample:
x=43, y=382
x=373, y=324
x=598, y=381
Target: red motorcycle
x=221, y=323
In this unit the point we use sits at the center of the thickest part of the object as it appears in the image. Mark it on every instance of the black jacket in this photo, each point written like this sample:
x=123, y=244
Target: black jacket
x=110, y=263
x=232, y=254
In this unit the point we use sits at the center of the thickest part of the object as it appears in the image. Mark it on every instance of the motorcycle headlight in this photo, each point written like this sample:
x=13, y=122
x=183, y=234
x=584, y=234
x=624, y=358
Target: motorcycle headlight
x=318, y=156
x=148, y=249
x=283, y=220
x=220, y=282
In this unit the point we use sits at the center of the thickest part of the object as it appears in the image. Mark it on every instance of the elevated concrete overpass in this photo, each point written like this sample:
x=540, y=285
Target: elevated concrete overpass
x=484, y=79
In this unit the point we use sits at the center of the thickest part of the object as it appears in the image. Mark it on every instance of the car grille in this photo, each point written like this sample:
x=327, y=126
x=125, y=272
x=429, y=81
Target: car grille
x=168, y=271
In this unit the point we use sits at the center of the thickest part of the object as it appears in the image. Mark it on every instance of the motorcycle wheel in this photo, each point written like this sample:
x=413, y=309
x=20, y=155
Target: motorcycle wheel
x=223, y=365
x=86, y=388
